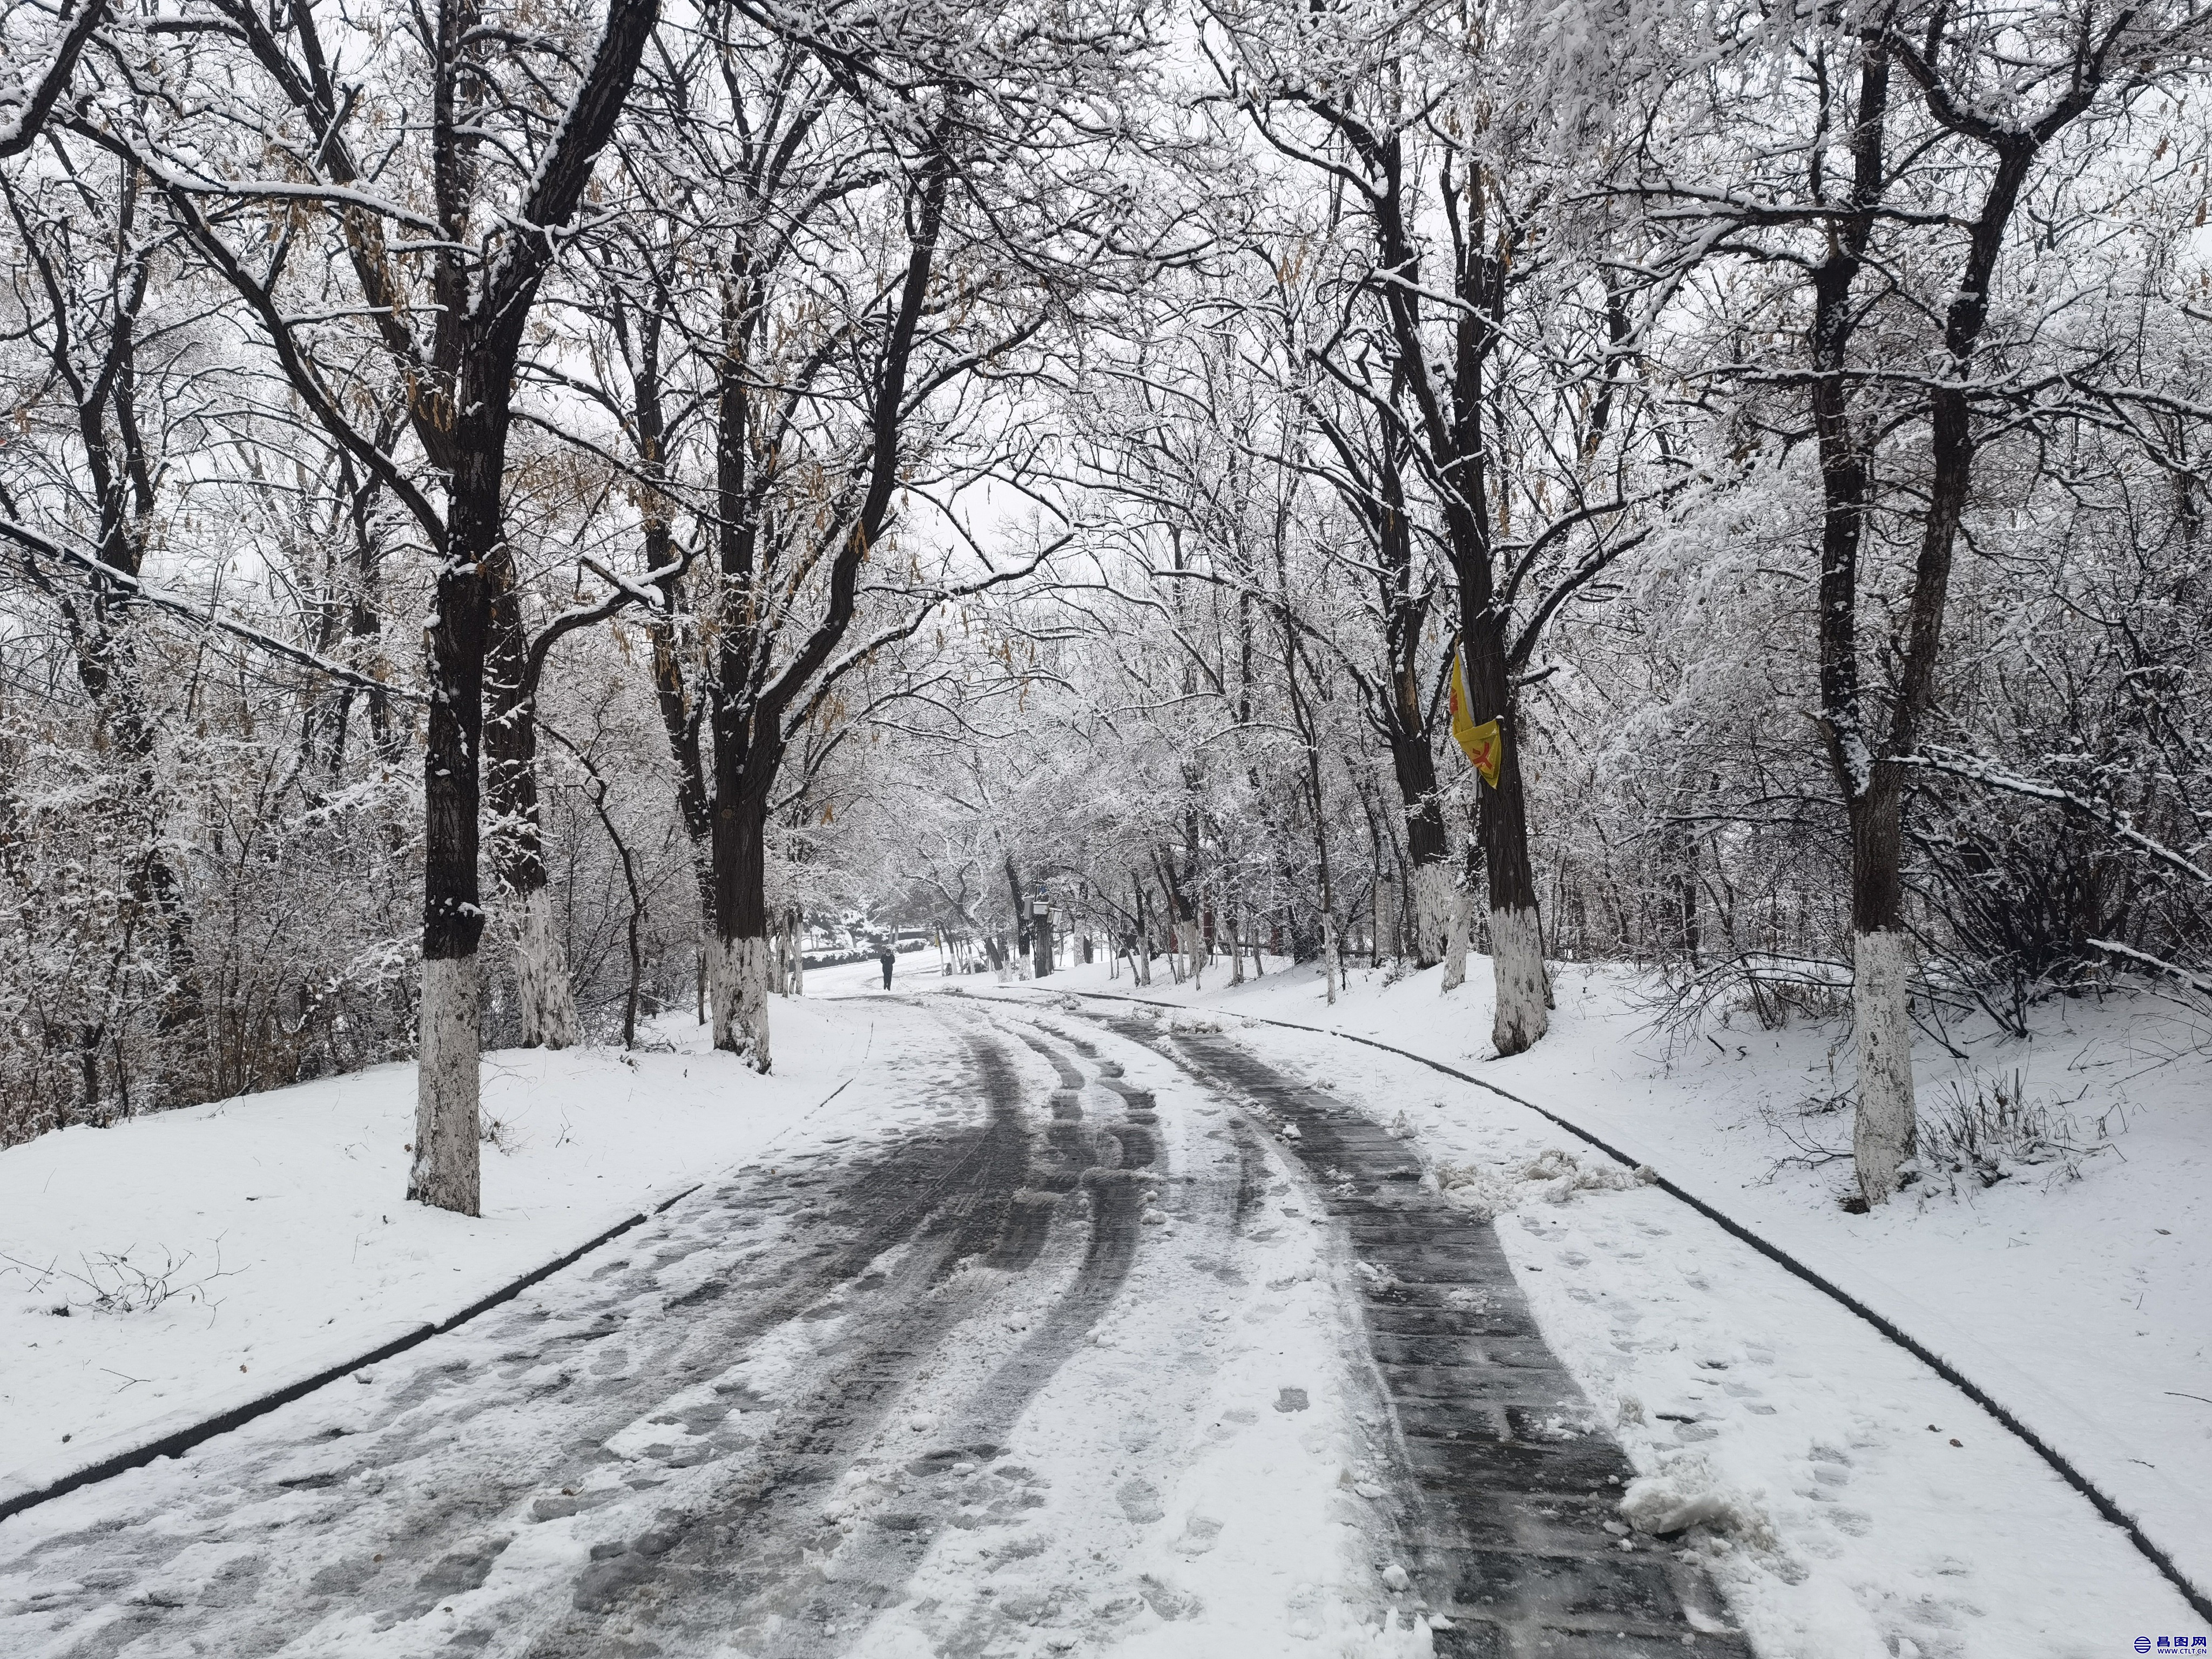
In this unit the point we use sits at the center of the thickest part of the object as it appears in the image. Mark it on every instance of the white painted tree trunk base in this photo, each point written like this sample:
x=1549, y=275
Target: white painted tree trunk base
x=1885, y=1128
x=1439, y=906
x=718, y=979
x=446, y=1173
x=1463, y=920
x=738, y=973
x=542, y=987
x=1516, y=961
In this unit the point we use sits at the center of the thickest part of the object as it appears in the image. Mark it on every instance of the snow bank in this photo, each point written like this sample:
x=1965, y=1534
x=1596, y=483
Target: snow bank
x=1555, y=1175
x=1684, y=1494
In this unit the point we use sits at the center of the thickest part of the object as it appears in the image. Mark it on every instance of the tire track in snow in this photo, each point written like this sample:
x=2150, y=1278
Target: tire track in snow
x=1149, y=1484
x=831, y=1571
x=1511, y=1483
x=414, y=1494
x=702, y=1440
x=745, y=1542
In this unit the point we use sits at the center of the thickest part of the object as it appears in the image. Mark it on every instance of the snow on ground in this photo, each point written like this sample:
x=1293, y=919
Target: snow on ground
x=2084, y=1303
x=1840, y=1517
x=294, y=1248
x=1197, y=1476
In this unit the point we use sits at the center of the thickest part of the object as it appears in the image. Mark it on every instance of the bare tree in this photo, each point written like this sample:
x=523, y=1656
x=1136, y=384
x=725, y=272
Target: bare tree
x=473, y=273
x=1474, y=320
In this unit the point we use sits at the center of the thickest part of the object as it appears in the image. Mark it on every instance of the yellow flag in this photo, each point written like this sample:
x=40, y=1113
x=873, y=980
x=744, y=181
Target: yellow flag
x=1485, y=742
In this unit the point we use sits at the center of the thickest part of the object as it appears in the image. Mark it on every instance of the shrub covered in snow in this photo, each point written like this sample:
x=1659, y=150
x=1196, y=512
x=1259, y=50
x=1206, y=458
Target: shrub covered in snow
x=1988, y=1131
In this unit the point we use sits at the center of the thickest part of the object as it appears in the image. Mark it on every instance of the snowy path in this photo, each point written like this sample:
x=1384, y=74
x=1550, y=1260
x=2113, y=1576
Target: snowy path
x=1077, y=1362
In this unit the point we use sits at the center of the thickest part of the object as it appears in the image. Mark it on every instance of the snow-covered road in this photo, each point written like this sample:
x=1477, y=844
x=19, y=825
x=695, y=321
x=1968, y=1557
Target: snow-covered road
x=1095, y=1343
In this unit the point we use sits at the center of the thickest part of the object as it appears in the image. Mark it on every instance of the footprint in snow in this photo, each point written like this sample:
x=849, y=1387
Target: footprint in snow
x=1141, y=1502
x=1199, y=1533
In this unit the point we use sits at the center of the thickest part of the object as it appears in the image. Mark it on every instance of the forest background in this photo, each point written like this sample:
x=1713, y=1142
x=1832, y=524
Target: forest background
x=510, y=507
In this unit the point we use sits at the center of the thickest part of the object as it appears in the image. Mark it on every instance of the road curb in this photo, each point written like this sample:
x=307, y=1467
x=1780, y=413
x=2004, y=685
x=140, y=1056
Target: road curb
x=17, y=1494
x=2107, y=1506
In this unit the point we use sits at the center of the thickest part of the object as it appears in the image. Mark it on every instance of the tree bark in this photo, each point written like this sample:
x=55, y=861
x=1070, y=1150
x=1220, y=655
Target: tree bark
x=463, y=422
x=445, y=1172
x=1021, y=909
x=545, y=998
x=1412, y=761
x=738, y=973
x=1884, y=1135
x=1522, y=1012
x=1883, y=1132
x=1453, y=404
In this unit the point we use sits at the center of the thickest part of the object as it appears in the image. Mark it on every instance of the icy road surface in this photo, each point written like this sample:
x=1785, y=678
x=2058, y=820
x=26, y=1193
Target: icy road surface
x=1113, y=1347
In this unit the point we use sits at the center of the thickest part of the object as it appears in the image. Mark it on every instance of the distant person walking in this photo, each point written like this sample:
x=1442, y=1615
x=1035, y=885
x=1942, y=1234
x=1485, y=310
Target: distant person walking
x=889, y=958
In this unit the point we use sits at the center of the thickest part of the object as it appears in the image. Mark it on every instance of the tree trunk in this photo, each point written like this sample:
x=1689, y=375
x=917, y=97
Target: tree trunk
x=545, y=998
x=1427, y=854
x=1516, y=946
x=1436, y=903
x=1021, y=909
x=445, y=1173
x=1885, y=1128
x=680, y=720
x=1462, y=919
x=738, y=968
x=1883, y=1134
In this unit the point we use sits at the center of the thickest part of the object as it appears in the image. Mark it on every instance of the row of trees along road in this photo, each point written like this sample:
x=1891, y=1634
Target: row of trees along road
x=929, y=457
